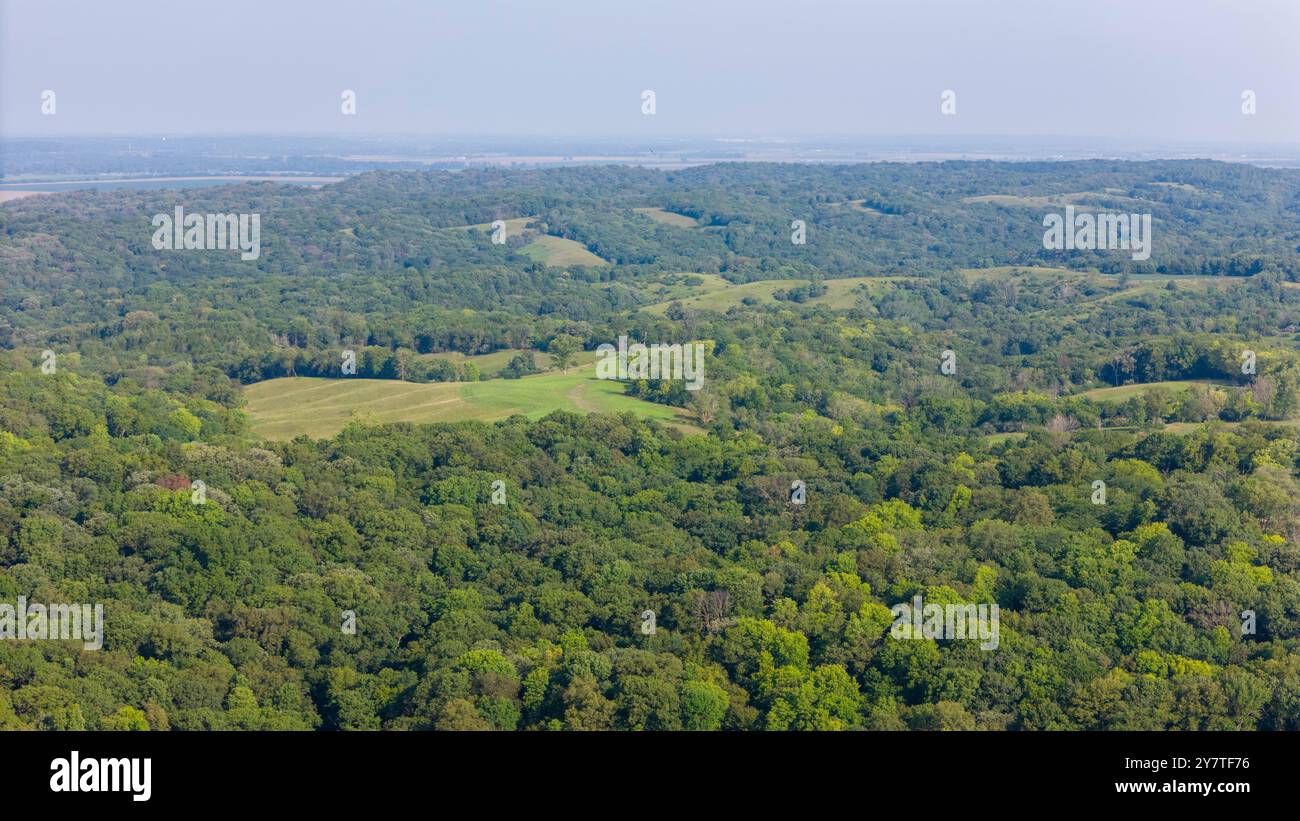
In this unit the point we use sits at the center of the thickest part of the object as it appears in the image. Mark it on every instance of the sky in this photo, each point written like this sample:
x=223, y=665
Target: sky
x=1162, y=70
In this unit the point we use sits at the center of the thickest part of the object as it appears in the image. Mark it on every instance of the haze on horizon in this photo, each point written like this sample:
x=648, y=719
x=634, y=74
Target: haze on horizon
x=1166, y=70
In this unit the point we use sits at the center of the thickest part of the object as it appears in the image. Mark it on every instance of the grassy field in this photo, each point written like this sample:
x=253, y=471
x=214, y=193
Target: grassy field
x=999, y=438
x=514, y=227
x=858, y=205
x=543, y=248
x=1049, y=201
x=714, y=293
x=674, y=286
x=1165, y=279
x=284, y=408
x=1135, y=280
x=999, y=271
x=558, y=252
x=1140, y=284
x=1181, y=186
x=719, y=295
x=1079, y=199
x=668, y=217
x=1184, y=428
x=1125, y=392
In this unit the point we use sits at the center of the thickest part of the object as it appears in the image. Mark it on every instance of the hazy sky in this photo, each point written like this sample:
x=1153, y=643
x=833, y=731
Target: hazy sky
x=1160, y=69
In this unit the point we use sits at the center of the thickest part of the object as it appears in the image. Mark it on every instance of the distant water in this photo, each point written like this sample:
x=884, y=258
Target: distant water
x=160, y=182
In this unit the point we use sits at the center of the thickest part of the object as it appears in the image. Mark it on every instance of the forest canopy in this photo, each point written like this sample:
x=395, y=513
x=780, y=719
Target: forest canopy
x=588, y=570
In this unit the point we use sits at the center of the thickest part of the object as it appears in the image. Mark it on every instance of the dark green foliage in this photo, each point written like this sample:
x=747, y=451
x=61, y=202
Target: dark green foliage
x=522, y=605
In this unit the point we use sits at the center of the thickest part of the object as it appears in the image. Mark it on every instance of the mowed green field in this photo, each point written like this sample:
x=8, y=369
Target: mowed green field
x=1126, y=392
x=1184, y=428
x=673, y=287
x=1137, y=285
x=1010, y=436
x=668, y=217
x=1079, y=199
x=1003, y=271
x=858, y=205
x=558, y=252
x=284, y=408
x=514, y=226
x=543, y=248
x=718, y=295
x=1146, y=284
x=715, y=293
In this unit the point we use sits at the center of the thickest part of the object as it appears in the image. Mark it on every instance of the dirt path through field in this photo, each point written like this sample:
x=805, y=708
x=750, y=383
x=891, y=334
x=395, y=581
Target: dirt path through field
x=578, y=397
